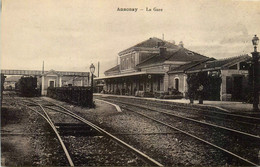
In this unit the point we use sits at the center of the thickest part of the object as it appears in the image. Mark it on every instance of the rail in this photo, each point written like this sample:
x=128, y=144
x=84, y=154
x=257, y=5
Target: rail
x=143, y=156
x=189, y=134
x=47, y=118
x=193, y=136
x=193, y=120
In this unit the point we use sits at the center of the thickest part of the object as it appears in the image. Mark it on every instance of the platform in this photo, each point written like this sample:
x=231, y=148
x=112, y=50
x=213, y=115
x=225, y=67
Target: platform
x=227, y=106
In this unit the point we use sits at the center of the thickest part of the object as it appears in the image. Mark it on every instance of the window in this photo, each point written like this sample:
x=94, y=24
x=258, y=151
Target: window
x=189, y=53
x=127, y=63
x=244, y=66
x=133, y=61
x=229, y=84
x=123, y=64
x=177, y=84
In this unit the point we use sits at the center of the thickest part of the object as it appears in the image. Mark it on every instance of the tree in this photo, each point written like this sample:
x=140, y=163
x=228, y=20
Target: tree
x=204, y=85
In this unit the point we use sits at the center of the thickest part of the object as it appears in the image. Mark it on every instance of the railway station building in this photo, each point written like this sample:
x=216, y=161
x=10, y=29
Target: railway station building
x=156, y=65
x=145, y=66
x=233, y=73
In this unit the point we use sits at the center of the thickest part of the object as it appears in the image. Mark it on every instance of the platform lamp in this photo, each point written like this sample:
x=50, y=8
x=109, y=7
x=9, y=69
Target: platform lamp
x=92, y=70
x=255, y=63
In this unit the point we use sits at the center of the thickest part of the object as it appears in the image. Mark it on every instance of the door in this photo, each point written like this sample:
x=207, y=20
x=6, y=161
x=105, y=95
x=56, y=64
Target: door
x=52, y=84
x=177, y=84
x=238, y=87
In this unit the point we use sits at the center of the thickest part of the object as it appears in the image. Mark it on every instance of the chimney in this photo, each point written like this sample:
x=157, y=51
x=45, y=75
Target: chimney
x=181, y=44
x=43, y=67
x=162, y=50
x=98, y=68
x=159, y=44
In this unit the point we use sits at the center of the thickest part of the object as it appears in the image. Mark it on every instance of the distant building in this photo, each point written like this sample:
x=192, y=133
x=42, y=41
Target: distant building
x=54, y=78
x=10, y=82
x=75, y=81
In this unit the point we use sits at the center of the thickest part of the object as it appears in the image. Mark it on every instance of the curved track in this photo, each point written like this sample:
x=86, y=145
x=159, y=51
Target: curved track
x=63, y=110
x=47, y=118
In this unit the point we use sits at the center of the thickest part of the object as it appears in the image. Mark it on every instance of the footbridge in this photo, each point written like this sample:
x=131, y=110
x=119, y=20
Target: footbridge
x=53, y=78
x=40, y=73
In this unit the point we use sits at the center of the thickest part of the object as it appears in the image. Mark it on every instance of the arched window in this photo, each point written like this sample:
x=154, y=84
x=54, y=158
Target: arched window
x=176, y=83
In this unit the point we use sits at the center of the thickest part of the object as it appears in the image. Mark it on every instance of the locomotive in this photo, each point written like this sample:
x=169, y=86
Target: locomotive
x=27, y=87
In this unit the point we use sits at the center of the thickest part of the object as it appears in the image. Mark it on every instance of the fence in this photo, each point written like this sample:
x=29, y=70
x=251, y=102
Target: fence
x=82, y=96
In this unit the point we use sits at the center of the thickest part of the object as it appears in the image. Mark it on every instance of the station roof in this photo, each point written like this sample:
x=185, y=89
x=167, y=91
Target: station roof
x=130, y=74
x=182, y=54
x=218, y=64
x=113, y=69
x=187, y=66
x=151, y=43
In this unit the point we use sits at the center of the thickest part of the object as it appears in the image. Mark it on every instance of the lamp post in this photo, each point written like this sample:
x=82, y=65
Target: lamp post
x=92, y=70
x=255, y=63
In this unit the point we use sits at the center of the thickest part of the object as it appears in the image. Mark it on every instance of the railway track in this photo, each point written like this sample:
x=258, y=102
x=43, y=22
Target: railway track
x=66, y=129
x=43, y=130
x=169, y=113
x=46, y=116
x=196, y=129
x=49, y=109
x=188, y=107
x=247, y=124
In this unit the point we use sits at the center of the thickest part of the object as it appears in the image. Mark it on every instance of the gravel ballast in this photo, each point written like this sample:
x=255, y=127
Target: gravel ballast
x=26, y=139
x=159, y=142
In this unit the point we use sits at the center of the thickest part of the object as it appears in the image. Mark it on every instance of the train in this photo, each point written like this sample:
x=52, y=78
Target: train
x=27, y=87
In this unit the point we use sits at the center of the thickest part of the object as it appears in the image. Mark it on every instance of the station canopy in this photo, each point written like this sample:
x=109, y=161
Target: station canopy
x=130, y=74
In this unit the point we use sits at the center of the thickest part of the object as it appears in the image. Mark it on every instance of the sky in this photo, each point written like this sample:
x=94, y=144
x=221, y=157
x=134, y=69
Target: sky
x=69, y=35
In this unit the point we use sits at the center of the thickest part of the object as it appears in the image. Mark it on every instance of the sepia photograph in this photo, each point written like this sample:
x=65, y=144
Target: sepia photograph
x=130, y=83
